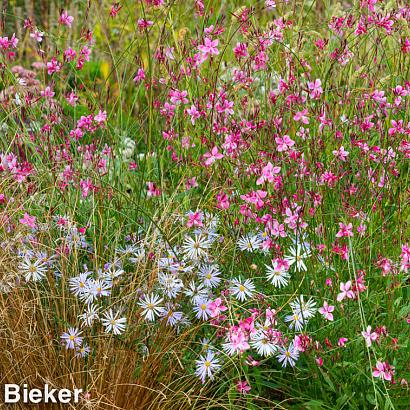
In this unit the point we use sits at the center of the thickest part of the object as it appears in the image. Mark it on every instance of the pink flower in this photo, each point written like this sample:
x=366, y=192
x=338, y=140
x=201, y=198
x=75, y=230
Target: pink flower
x=302, y=116
x=255, y=197
x=100, y=117
x=209, y=47
x=241, y=50
x=72, y=98
x=223, y=200
x=341, y=153
x=345, y=291
x=37, y=35
x=152, y=190
x=217, y=307
x=284, y=143
x=53, y=66
x=268, y=174
x=341, y=342
x=6, y=44
x=361, y=229
x=250, y=361
x=47, y=93
x=85, y=53
x=28, y=220
x=69, y=54
x=191, y=183
x=242, y=387
x=315, y=89
x=326, y=311
x=237, y=341
x=178, y=97
x=212, y=156
x=140, y=75
x=225, y=107
x=248, y=324
x=65, y=19
x=369, y=336
x=405, y=258
x=270, y=4
x=86, y=186
x=405, y=47
x=195, y=219
x=144, y=24
x=397, y=127
x=384, y=371
x=115, y=9
x=194, y=113
x=345, y=230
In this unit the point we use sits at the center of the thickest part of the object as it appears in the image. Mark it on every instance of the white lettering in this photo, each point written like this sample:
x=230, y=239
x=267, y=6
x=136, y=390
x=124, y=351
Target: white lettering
x=35, y=396
x=49, y=395
x=77, y=395
x=11, y=393
x=25, y=393
x=64, y=396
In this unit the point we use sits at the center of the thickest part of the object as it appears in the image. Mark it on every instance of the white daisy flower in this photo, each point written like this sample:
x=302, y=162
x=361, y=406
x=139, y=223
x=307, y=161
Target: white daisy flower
x=170, y=284
x=150, y=304
x=172, y=316
x=82, y=351
x=113, y=323
x=180, y=267
x=288, y=355
x=138, y=255
x=242, y=290
x=264, y=343
x=277, y=274
x=296, y=321
x=94, y=289
x=101, y=287
x=196, y=292
x=78, y=283
x=34, y=270
x=297, y=256
x=196, y=248
x=127, y=250
x=202, y=309
x=166, y=263
x=206, y=366
x=210, y=275
x=89, y=316
x=72, y=338
x=112, y=273
x=305, y=309
x=249, y=243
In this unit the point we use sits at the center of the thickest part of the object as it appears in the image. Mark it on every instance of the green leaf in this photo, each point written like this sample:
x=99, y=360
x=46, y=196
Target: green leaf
x=315, y=404
x=328, y=381
x=370, y=398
